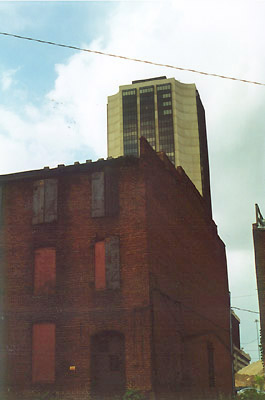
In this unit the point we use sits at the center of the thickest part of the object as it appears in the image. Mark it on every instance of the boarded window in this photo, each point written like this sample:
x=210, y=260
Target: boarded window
x=107, y=264
x=111, y=192
x=38, y=202
x=100, y=268
x=43, y=353
x=105, y=194
x=50, y=200
x=44, y=201
x=98, y=195
x=44, y=271
x=112, y=254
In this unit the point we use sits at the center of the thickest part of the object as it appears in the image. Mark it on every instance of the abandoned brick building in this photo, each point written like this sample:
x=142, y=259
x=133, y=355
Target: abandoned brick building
x=113, y=276
x=259, y=248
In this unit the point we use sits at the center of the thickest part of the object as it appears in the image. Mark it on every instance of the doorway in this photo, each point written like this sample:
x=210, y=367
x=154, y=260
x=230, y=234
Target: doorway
x=107, y=364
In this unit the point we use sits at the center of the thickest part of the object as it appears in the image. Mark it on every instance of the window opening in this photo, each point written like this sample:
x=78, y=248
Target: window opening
x=43, y=353
x=107, y=264
x=44, y=201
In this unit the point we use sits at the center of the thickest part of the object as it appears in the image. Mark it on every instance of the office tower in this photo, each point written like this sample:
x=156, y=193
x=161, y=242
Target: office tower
x=170, y=115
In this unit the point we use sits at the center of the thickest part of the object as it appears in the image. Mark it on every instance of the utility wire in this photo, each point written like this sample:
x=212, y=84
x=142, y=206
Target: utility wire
x=243, y=309
x=132, y=59
x=245, y=344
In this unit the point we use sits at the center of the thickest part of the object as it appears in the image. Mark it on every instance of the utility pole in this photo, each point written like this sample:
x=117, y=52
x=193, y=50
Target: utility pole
x=256, y=320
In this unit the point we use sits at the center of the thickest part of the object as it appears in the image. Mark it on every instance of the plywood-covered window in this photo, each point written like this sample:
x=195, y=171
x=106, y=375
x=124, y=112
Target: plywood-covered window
x=98, y=195
x=44, y=201
x=100, y=265
x=107, y=264
x=43, y=353
x=44, y=271
x=105, y=194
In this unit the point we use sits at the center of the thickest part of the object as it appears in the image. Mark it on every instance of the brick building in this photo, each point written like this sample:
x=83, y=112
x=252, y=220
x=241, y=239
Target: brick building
x=240, y=358
x=113, y=275
x=259, y=246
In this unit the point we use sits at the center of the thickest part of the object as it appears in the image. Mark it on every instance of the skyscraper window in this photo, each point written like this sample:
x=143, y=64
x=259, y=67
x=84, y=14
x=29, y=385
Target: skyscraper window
x=147, y=115
x=130, y=127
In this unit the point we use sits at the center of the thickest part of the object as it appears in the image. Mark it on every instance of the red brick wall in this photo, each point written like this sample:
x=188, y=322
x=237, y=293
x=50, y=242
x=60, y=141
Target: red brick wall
x=188, y=268
x=259, y=246
x=166, y=238
x=78, y=310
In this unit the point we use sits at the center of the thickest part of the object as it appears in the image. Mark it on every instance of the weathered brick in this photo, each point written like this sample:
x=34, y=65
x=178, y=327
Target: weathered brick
x=174, y=294
x=259, y=246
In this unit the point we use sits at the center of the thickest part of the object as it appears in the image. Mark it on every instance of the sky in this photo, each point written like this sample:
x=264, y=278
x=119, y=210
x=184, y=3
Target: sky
x=53, y=100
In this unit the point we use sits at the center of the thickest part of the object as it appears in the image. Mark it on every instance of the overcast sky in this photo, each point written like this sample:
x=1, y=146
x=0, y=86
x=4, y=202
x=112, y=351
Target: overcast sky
x=53, y=100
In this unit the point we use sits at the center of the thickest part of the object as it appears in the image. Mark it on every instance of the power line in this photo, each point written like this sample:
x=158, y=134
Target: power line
x=132, y=59
x=243, y=309
x=245, y=344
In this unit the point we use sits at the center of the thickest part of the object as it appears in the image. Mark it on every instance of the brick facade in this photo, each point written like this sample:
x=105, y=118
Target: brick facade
x=167, y=305
x=259, y=247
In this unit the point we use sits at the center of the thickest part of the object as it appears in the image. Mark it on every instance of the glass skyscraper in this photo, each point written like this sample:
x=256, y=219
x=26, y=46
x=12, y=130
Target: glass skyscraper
x=170, y=115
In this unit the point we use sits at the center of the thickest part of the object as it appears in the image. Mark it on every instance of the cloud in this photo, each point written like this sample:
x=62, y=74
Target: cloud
x=186, y=34
x=70, y=122
x=7, y=78
x=13, y=17
x=41, y=136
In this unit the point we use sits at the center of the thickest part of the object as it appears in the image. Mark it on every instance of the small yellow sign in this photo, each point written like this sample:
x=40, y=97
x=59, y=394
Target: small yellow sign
x=72, y=368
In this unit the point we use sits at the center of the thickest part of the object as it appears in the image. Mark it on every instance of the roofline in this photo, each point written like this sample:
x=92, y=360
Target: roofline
x=47, y=172
x=150, y=79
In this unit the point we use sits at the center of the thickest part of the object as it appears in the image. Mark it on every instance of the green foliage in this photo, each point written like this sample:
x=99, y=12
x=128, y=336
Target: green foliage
x=259, y=382
x=261, y=348
x=133, y=394
x=31, y=395
x=251, y=394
